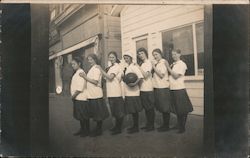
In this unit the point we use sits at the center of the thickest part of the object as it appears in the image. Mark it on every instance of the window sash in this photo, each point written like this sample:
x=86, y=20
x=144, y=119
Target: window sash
x=195, y=47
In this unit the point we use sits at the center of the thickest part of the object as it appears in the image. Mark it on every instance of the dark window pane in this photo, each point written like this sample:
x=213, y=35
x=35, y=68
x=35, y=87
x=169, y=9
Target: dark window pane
x=182, y=39
x=200, y=63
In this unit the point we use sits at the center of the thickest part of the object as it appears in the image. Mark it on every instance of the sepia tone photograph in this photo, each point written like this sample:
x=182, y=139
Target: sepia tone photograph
x=124, y=80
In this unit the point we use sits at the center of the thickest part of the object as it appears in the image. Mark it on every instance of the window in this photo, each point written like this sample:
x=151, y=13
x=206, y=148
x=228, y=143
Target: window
x=190, y=40
x=142, y=43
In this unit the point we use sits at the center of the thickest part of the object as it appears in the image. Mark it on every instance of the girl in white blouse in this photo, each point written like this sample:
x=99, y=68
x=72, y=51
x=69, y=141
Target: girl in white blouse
x=161, y=88
x=97, y=107
x=132, y=93
x=114, y=91
x=180, y=99
x=78, y=91
x=146, y=88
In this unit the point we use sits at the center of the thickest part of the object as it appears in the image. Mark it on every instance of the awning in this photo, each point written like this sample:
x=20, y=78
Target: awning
x=75, y=47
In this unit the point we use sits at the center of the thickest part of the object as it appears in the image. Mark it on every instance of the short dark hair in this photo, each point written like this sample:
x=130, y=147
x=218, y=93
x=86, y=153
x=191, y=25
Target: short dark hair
x=116, y=56
x=143, y=50
x=78, y=60
x=177, y=51
x=158, y=51
x=94, y=57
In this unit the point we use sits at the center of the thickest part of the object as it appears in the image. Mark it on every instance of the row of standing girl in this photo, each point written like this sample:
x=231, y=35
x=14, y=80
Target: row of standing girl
x=153, y=89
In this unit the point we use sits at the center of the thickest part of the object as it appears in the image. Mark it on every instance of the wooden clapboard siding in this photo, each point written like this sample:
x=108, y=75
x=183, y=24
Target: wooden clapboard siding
x=138, y=20
x=195, y=84
x=56, y=47
x=150, y=21
x=112, y=35
x=81, y=33
x=195, y=90
x=162, y=17
x=198, y=111
x=80, y=17
x=80, y=26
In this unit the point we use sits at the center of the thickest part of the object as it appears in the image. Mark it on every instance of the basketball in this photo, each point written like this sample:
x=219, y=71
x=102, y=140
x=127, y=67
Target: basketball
x=130, y=78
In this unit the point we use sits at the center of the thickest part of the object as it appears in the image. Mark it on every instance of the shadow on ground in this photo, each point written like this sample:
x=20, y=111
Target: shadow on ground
x=143, y=144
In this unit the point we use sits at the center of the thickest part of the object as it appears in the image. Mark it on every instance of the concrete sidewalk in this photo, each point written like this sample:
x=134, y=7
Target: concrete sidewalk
x=143, y=144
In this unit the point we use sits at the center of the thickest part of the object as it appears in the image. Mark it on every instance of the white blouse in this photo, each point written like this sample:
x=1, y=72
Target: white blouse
x=132, y=91
x=94, y=91
x=161, y=82
x=147, y=84
x=179, y=67
x=114, y=85
x=79, y=84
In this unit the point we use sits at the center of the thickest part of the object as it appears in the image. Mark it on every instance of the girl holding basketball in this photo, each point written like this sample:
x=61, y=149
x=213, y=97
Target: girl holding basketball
x=132, y=92
x=98, y=110
x=146, y=88
x=114, y=91
x=180, y=99
x=78, y=91
x=161, y=88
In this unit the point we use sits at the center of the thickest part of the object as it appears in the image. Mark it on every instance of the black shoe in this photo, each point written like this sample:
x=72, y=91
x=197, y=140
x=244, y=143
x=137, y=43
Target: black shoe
x=181, y=131
x=152, y=128
x=130, y=128
x=162, y=126
x=112, y=129
x=174, y=127
x=133, y=130
x=78, y=133
x=144, y=127
x=163, y=129
x=96, y=133
x=84, y=134
x=117, y=131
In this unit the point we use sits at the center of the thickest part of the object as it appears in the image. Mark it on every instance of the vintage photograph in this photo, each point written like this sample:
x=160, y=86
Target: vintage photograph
x=126, y=80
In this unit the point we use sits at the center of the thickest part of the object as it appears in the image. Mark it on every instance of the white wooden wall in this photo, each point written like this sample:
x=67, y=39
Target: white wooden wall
x=148, y=21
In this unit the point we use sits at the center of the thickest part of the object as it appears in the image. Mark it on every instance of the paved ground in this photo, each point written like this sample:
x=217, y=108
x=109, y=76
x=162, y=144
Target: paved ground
x=152, y=144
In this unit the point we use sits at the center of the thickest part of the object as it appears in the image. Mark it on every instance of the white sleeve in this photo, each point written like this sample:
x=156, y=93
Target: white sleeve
x=181, y=69
x=114, y=70
x=79, y=82
x=162, y=68
x=96, y=74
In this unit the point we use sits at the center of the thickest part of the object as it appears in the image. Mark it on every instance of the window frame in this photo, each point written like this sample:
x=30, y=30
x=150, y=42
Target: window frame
x=138, y=38
x=196, y=75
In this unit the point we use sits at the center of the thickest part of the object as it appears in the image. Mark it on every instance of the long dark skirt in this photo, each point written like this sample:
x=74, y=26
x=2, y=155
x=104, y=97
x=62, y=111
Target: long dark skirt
x=132, y=104
x=98, y=109
x=80, y=110
x=147, y=99
x=181, y=102
x=117, y=106
x=162, y=99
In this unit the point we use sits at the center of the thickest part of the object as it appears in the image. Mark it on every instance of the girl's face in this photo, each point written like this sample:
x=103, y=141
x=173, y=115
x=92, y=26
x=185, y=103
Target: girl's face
x=176, y=56
x=112, y=58
x=157, y=56
x=91, y=61
x=75, y=65
x=142, y=55
x=127, y=59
